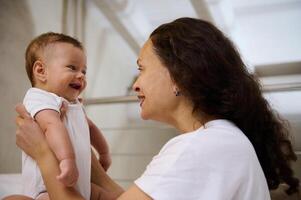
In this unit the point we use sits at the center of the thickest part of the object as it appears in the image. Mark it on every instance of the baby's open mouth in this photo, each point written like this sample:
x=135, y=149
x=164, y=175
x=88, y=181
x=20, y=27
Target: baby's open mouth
x=75, y=86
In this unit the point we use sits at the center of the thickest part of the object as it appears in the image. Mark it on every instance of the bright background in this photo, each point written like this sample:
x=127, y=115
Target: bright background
x=266, y=32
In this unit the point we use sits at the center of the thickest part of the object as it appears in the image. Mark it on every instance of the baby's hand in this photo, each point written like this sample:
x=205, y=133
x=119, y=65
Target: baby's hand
x=105, y=160
x=69, y=172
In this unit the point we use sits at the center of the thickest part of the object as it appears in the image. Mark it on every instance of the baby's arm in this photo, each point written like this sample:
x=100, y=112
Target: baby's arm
x=59, y=141
x=100, y=144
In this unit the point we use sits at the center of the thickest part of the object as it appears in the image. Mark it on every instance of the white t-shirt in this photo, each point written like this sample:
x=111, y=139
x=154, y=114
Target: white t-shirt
x=215, y=162
x=75, y=121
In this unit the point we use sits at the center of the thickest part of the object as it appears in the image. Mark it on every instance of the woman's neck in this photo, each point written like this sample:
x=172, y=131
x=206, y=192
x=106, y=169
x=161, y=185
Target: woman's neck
x=184, y=120
x=186, y=124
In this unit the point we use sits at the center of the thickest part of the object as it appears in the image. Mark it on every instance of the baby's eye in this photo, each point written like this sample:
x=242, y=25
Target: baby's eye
x=72, y=67
x=84, y=72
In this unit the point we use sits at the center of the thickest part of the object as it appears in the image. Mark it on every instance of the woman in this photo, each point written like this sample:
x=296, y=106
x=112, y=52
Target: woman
x=232, y=144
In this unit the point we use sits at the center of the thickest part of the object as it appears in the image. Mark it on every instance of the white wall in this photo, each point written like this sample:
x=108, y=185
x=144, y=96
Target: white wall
x=20, y=21
x=269, y=33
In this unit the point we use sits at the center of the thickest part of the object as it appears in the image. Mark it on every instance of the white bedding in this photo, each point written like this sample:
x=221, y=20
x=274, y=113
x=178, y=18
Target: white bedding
x=10, y=184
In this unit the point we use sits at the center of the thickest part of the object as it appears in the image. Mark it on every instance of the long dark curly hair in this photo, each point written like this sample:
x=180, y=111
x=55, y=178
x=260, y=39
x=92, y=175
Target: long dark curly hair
x=208, y=70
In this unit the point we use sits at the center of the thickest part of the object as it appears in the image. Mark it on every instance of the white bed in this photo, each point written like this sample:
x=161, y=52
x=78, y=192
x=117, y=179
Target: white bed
x=10, y=184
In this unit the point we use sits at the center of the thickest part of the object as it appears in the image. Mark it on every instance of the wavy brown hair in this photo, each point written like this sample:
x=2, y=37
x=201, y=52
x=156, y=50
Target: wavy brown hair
x=209, y=71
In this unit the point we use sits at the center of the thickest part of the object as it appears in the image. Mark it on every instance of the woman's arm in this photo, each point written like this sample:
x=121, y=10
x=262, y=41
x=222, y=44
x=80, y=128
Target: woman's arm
x=49, y=167
x=110, y=189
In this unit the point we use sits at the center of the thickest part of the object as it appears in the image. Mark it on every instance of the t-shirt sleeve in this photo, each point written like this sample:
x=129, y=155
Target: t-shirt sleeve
x=166, y=177
x=36, y=100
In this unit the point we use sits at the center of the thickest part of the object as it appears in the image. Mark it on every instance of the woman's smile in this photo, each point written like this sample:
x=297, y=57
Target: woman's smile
x=141, y=99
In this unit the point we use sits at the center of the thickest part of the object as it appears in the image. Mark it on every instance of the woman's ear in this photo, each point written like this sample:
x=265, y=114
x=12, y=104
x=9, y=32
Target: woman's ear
x=39, y=71
x=176, y=90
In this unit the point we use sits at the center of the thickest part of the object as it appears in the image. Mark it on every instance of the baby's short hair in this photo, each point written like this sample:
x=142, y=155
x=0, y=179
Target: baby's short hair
x=38, y=45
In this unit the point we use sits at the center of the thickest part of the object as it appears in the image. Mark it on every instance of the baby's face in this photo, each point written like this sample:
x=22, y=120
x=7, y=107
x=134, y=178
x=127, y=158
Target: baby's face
x=66, y=70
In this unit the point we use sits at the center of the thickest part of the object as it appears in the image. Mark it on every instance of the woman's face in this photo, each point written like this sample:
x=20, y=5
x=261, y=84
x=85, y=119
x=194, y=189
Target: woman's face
x=154, y=86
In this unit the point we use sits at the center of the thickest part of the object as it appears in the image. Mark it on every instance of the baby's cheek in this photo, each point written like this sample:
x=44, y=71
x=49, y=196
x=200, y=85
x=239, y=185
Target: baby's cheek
x=84, y=86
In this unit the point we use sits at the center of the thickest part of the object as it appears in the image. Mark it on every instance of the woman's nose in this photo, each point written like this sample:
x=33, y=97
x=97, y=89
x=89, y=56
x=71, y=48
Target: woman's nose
x=135, y=87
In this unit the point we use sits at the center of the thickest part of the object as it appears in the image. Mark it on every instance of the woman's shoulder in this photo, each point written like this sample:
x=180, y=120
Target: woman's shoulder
x=217, y=139
x=220, y=132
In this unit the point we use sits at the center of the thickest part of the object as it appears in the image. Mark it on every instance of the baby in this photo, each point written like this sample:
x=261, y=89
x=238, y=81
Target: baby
x=56, y=67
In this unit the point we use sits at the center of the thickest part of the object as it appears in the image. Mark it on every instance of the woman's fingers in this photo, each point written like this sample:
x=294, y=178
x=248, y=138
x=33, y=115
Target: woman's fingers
x=19, y=120
x=21, y=141
x=63, y=109
x=29, y=136
x=18, y=139
x=20, y=108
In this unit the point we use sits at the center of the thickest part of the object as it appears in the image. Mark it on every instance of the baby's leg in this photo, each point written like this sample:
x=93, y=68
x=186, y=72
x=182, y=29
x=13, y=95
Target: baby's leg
x=43, y=196
x=17, y=197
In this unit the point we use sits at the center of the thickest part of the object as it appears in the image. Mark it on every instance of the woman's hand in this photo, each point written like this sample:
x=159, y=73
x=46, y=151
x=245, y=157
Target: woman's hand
x=29, y=136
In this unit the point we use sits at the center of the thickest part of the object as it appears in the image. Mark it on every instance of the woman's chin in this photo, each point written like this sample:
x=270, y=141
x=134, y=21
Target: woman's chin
x=144, y=115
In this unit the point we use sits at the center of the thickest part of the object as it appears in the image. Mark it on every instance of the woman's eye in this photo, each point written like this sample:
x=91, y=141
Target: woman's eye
x=139, y=70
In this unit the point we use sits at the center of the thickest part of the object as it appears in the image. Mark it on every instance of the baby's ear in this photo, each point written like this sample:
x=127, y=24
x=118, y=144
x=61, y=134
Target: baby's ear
x=39, y=71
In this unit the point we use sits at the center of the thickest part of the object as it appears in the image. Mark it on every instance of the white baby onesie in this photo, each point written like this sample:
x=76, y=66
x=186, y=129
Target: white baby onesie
x=75, y=121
